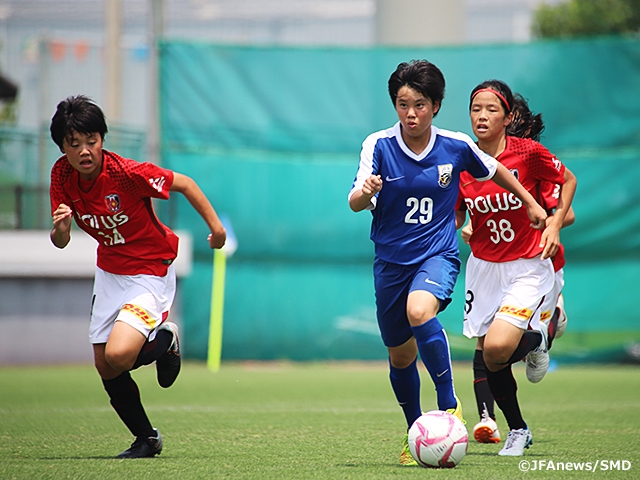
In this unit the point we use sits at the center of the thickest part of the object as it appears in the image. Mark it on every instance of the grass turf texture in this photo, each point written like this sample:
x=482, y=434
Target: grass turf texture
x=307, y=421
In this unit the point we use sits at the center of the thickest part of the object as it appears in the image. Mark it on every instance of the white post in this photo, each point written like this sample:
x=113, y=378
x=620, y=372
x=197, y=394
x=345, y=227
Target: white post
x=45, y=114
x=113, y=65
x=153, y=122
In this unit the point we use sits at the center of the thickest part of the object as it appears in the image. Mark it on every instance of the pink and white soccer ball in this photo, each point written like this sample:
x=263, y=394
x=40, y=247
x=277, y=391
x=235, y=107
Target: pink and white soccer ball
x=438, y=440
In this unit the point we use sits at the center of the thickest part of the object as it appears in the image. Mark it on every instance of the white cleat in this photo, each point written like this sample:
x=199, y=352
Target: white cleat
x=538, y=359
x=517, y=441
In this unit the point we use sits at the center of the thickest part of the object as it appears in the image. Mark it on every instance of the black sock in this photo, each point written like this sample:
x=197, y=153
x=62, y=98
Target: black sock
x=125, y=400
x=481, y=386
x=553, y=327
x=151, y=351
x=529, y=341
x=504, y=388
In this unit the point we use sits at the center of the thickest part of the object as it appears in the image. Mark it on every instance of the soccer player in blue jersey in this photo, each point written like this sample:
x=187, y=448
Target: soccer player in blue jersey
x=408, y=177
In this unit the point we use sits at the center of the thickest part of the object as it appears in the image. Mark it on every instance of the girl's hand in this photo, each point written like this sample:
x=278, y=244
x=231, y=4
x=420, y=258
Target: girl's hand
x=372, y=185
x=217, y=239
x=62, y=218
x=538, y=216
x=466, y=233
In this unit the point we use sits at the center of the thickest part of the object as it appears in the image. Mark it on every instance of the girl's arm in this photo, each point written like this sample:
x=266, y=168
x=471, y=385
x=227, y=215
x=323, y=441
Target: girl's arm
x=509, y=182
x=190, y=189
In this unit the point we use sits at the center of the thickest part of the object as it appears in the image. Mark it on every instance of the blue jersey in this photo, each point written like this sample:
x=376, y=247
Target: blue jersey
x=414, y=213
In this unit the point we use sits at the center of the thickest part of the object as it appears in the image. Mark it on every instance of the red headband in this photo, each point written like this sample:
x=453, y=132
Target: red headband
x=496, y=93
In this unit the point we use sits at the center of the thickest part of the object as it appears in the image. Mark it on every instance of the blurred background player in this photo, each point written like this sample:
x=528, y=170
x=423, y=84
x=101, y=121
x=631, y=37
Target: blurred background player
x=527, y=125
x=408, y=177
x=509, y=270
x=524, y=124
x=110, y=198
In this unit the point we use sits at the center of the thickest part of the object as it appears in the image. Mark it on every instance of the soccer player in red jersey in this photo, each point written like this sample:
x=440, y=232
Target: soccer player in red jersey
x=109, y=197
x=527, y=125
x=509, y=271
x=553, y=305
x=524, y=124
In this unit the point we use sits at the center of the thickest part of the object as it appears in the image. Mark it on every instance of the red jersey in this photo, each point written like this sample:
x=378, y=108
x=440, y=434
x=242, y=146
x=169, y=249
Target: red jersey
x=115, y=209
x=550, y=192
x=502, y=230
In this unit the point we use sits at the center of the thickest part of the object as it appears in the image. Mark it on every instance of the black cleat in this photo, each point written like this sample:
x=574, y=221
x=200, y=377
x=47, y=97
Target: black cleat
x=168, y=365
x=144, y=447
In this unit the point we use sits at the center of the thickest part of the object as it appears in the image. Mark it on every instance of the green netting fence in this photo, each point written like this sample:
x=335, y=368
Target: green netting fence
x=273, y=136
x=26, y=158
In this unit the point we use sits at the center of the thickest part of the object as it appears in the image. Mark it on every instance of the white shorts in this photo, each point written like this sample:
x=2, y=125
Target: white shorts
x=142, y=301
x=550, y=300
x=511, y=291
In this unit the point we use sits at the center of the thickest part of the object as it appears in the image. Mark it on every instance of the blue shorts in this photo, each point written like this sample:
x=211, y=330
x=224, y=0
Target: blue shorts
x=394, y=282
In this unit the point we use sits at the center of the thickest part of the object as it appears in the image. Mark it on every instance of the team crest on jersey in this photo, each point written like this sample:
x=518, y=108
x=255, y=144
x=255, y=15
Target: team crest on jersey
x=113, y=202
x=515, y=173
x=444, y=174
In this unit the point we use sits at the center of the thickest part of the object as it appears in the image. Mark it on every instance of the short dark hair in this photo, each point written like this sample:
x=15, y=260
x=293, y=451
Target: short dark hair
x=76, y=114
x=420, y=75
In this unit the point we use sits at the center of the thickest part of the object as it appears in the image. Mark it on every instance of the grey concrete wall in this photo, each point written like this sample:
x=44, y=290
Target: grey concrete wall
x=44, y=320
x=45, y=297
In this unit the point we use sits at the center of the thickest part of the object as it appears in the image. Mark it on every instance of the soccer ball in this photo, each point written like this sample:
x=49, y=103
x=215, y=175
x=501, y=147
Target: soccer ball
x=438, y=440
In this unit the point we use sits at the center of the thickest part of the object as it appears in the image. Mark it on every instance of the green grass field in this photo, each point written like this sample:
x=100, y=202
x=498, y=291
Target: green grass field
x=302, y=421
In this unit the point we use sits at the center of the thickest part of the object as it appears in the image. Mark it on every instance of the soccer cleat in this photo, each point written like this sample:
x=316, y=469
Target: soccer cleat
x=405, y=456
x=168, y=365
x=144, y=447
x=562, y=316
x=457, y=411
x=538, y=359
x=486, y=430
x=517, y=441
